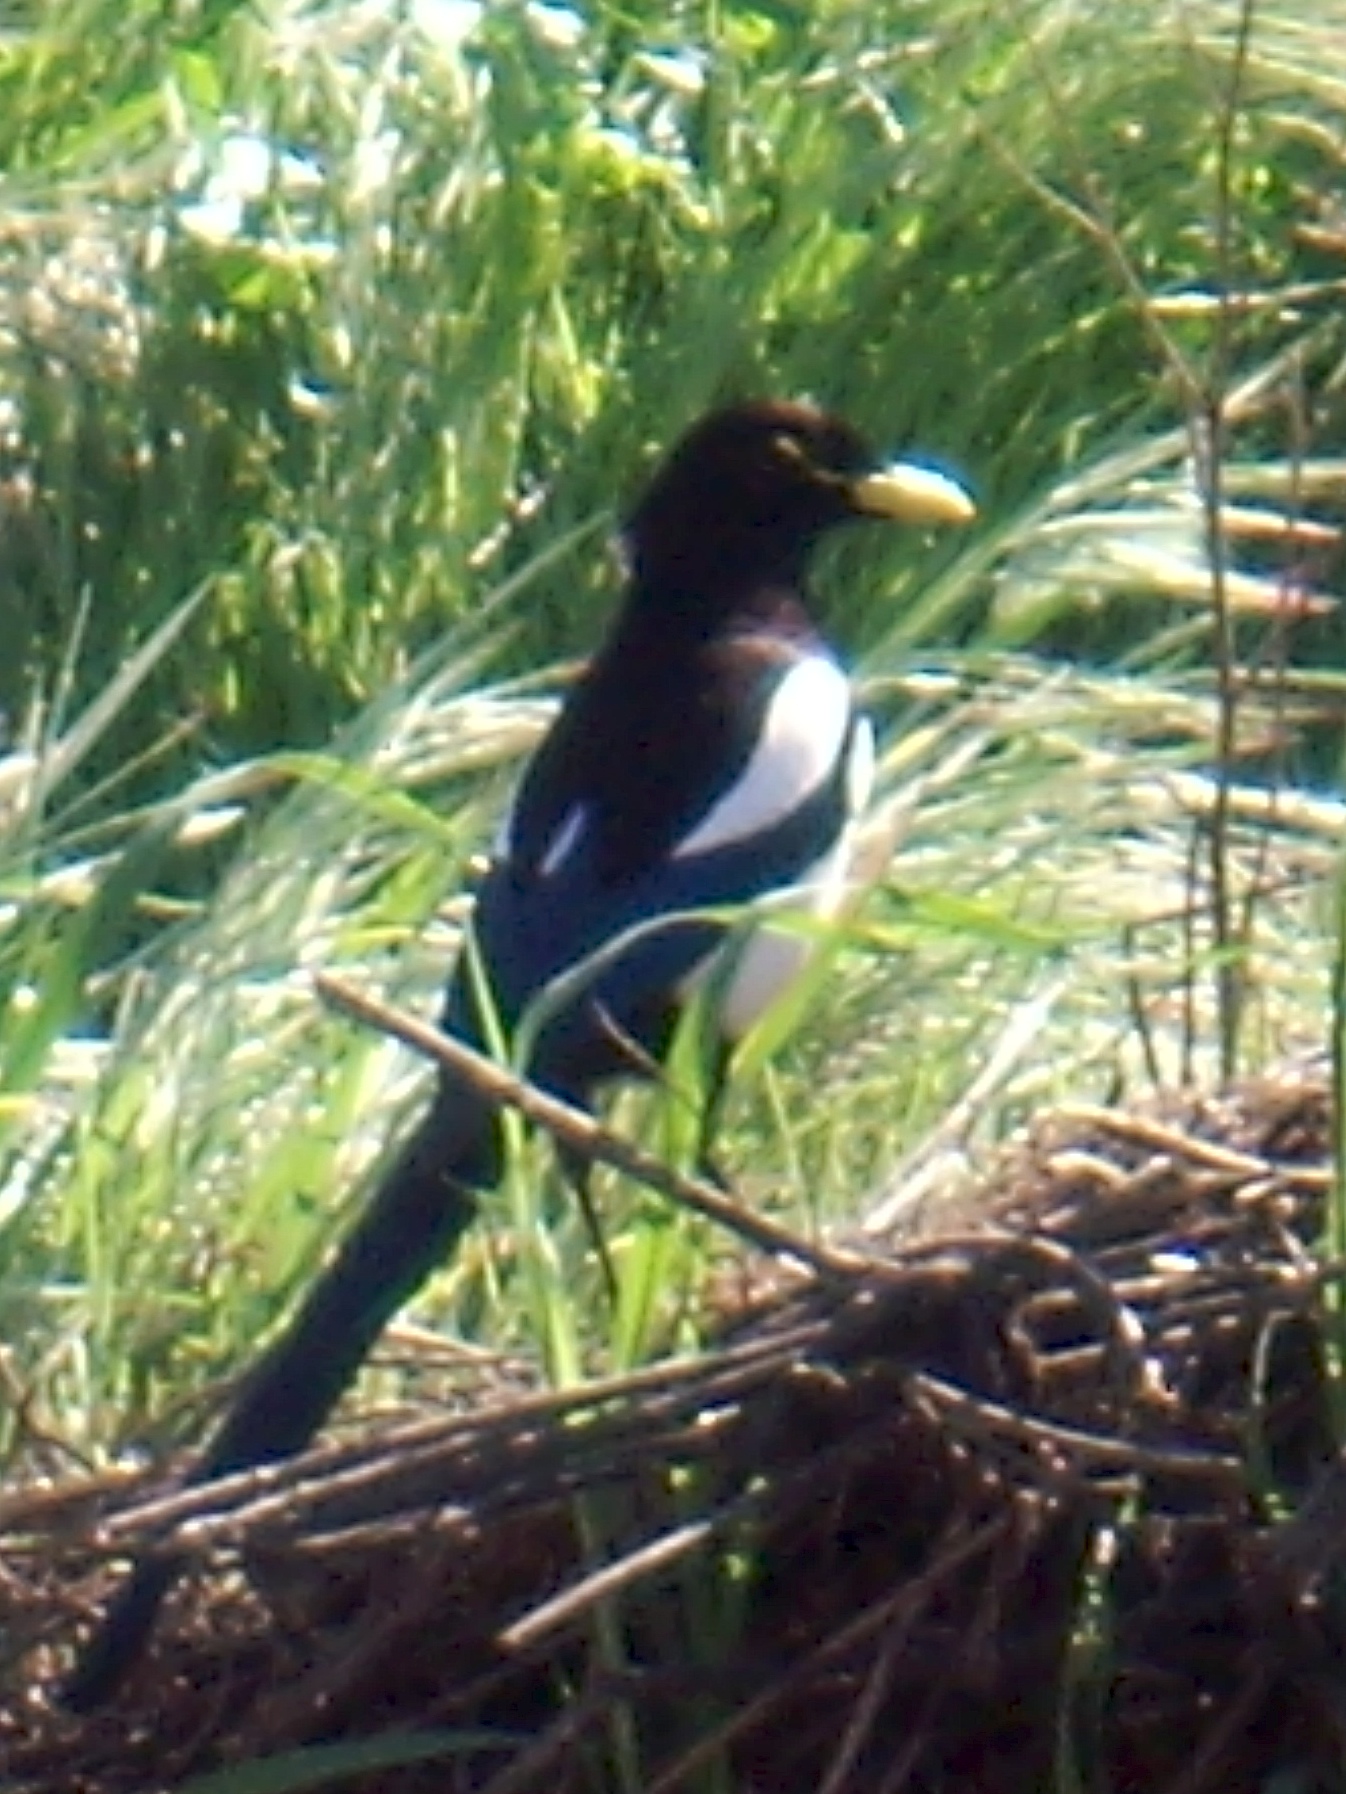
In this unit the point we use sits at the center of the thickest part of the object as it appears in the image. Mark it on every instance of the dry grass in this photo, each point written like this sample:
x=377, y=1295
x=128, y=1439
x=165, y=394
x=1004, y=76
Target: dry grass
x=893, y=1495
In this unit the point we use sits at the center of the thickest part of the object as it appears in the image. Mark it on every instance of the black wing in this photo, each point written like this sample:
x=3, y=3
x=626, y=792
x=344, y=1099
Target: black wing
x=642, y=804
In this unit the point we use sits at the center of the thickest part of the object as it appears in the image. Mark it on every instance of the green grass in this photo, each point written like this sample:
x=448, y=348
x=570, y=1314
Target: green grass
x=330, y=346
x=347, y=320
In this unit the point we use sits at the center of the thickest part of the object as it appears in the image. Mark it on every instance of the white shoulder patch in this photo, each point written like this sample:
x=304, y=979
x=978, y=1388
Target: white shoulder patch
x=803, y=733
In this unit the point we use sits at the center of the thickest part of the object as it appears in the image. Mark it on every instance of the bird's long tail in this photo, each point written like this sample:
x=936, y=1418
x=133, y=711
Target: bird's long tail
x=419, y=1212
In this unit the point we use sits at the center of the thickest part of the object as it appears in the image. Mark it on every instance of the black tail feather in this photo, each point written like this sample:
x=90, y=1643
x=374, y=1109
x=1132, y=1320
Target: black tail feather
x=420, y=1211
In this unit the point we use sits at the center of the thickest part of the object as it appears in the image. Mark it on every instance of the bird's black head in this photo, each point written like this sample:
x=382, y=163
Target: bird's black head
x=748, y=490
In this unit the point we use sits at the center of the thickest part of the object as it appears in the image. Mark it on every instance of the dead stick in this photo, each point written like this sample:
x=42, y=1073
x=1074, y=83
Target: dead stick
x=577, y=1129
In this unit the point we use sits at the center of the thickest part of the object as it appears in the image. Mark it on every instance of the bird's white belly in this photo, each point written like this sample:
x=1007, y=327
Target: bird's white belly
x=766, y=963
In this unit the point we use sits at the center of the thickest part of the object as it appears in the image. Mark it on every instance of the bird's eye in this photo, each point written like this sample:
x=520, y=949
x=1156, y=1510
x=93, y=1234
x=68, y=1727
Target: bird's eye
x=791, y=450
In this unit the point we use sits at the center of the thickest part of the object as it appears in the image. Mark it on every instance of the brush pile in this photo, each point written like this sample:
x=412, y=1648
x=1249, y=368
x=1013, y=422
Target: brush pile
x=1047, y=1499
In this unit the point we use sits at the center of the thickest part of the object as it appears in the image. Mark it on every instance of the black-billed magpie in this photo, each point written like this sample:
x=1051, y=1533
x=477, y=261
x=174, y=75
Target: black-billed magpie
x=710, y=755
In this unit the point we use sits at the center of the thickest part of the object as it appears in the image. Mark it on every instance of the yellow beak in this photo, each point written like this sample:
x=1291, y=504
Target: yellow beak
x=909, y=494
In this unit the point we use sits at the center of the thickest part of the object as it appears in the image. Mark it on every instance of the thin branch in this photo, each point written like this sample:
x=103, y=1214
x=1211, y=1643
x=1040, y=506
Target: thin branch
x=580, y=1134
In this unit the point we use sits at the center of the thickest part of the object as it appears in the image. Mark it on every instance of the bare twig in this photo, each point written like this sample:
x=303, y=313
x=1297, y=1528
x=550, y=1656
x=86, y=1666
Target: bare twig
x=578, y=1131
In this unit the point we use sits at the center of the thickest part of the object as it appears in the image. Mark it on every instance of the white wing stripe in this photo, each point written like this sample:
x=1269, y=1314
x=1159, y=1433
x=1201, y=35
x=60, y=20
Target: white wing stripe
x=566, y=836
x=803, y=734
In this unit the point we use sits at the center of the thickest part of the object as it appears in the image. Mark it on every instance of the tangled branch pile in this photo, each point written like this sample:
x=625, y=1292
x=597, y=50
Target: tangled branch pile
x=1006, y=1505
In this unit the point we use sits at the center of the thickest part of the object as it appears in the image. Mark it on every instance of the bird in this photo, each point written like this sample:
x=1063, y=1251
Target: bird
x=711, y=754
